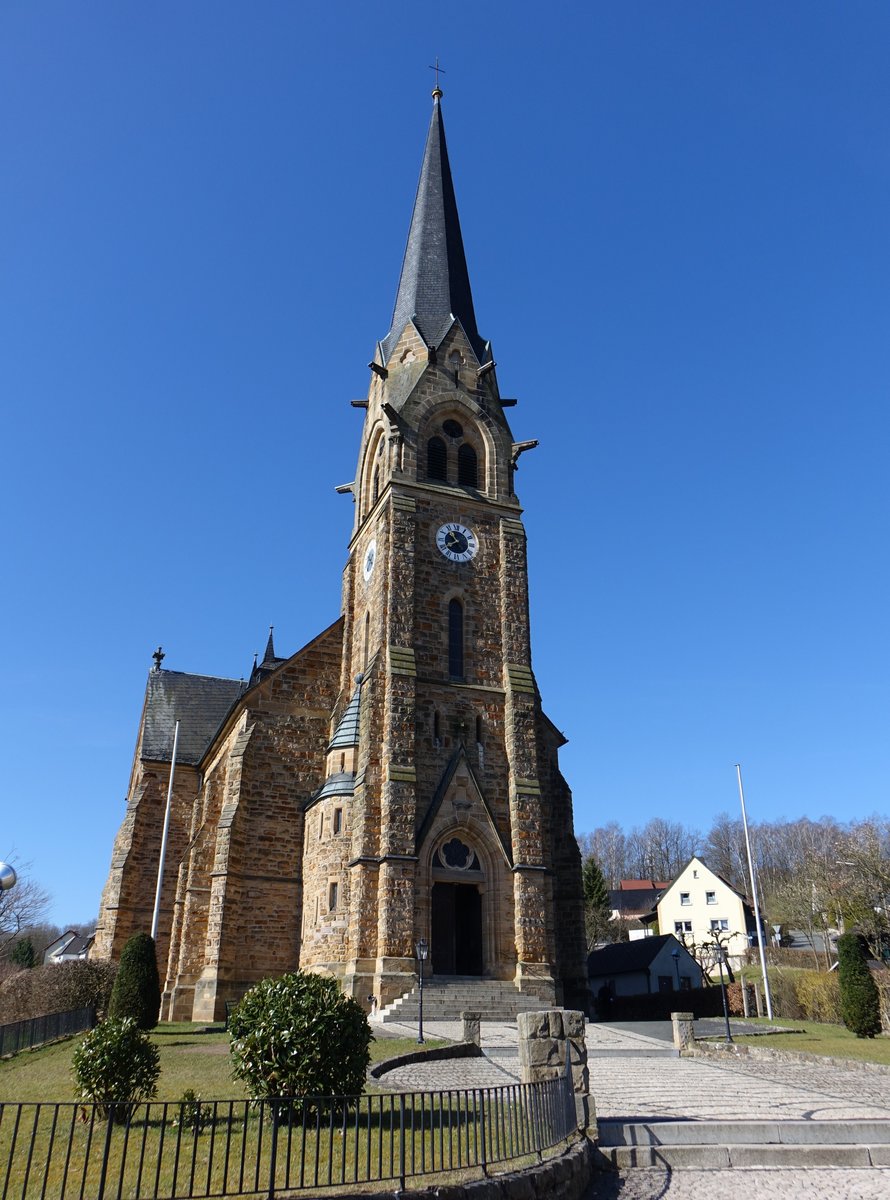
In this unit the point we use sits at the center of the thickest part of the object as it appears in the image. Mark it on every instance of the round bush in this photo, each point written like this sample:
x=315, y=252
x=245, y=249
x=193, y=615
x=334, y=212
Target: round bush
x=137, y=988
x=860, y=1005
x=300, y=1036
x=116, y=1064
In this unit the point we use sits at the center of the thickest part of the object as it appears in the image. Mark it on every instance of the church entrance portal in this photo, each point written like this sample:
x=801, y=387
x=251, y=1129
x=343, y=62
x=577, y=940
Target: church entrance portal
x=456, y=933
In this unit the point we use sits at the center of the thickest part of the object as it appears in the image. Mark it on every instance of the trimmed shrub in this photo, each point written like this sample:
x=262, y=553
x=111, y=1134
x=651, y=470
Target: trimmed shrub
x=860, y=1006
x=57, y=987
x=137, y=989
x=300, y=1036
x=116, y=1067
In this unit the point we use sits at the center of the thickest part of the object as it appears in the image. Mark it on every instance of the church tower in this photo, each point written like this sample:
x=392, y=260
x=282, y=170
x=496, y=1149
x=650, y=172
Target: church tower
x=396, y=779
x=460, y=823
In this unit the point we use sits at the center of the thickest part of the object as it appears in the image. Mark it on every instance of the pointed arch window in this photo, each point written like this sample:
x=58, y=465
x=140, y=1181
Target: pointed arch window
x=455, y=639
x=436, y=459
x=375, y=487
x=467, y=466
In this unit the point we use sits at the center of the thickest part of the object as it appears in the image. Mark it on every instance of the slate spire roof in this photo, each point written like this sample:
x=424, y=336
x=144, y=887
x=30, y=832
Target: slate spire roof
x=434, y=286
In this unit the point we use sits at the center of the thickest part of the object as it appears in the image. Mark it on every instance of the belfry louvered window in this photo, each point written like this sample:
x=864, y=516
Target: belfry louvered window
x=467, y=471
x=436, y=460
x=455, y=639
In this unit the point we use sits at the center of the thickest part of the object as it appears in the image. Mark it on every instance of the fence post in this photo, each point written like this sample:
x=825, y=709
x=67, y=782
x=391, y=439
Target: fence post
x=273, y=1153
x=402, y=1141
x=106, y=1150
x=483, y=1132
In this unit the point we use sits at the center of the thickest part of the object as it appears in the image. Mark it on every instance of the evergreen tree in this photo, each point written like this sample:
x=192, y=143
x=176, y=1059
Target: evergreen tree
x=860, y=1004
x=23, y=954
x=137, y=988
x=597, y=908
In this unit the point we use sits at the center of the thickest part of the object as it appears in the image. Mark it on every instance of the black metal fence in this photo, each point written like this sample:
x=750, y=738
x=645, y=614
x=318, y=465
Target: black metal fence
x=267, y=1148
x=24, y=1035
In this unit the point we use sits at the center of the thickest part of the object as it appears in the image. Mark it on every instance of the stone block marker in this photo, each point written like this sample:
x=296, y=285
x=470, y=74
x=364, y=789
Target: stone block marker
x=472, y=1027
x=546, y=1039
x=684, y=1031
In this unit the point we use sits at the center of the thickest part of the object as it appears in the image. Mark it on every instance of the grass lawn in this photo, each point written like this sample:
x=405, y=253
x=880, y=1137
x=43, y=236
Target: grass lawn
x=190, y=1058
x=832, y=1040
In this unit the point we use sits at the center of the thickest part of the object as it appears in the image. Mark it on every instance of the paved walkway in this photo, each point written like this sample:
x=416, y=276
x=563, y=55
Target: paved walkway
x=628, y=1086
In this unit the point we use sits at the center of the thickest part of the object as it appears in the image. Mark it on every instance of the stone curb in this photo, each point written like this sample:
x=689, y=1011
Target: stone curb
x=766, y=1054
x=434, y=1054
x=567, y=1176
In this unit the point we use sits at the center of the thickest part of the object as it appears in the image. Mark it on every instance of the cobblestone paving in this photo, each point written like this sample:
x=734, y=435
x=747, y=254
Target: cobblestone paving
x=829, y=1183
x=677, y=1088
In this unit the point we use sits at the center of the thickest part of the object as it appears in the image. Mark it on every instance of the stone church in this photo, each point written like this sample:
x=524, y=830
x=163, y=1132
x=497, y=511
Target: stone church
x=396, y=778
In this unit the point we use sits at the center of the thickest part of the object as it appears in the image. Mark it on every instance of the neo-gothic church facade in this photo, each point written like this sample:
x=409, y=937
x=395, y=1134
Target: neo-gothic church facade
x=397, y=778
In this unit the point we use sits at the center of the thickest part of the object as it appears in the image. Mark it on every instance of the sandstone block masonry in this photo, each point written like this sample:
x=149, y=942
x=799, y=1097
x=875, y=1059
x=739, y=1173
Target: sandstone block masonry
x=549, y=1039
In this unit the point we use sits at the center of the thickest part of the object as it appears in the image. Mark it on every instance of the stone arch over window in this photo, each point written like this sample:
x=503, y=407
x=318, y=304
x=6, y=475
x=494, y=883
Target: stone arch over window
x=372, y=470
x=454, y=447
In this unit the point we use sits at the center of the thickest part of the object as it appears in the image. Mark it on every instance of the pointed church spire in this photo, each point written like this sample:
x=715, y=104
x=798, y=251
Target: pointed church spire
x=269, y=655
x=434, y=285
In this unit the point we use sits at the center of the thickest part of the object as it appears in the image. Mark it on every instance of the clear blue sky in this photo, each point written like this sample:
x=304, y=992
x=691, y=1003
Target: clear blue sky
x=676, y=221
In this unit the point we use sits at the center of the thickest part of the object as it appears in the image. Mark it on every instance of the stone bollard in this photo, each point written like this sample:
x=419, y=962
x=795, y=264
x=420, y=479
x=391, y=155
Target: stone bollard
x=472, y=1027
x=684, y=1032
x=545, y=1038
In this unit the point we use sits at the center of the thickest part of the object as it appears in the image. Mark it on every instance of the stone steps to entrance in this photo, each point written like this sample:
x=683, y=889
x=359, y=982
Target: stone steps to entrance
x=445, y=1000
x=719, y=1144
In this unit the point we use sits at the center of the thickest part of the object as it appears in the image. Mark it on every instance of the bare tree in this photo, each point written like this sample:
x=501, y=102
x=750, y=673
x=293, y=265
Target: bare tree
x=22, y=906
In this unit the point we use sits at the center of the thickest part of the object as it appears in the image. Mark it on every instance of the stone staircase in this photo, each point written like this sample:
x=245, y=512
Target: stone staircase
x=712, y=1144
x=446, y=997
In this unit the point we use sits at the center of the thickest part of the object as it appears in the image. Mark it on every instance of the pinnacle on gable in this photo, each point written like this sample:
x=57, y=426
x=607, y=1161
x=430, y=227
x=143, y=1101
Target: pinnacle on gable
x=434, y=286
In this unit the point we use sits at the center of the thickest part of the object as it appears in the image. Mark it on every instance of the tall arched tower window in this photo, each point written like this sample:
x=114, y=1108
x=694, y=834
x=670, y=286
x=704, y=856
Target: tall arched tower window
x=436, y=459
x=467, y=472
x=455, y=639
x=367, y=639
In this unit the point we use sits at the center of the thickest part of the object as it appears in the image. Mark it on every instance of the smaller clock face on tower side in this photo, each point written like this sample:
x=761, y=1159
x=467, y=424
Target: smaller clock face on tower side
x=456, y=542
x=369, y=560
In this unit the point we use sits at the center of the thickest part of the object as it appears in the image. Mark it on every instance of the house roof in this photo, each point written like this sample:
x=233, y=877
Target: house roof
x=346, y=733
x=634, y=902
x=702, y=863
x=199, y=702
x=434, y=286
x=621, y=958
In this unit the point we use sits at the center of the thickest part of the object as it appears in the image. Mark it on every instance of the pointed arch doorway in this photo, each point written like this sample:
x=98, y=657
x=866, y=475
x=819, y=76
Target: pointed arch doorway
x=456, y=927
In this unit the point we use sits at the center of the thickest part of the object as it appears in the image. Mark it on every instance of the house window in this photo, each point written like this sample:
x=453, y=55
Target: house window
x=333, y=895
x=717, y=925
x=665, y=983
x=685, y=898
x=436, y=459
x=455, y=639
x=467, y=471
x=338, y=820
x=685, y=983
x=682, y=927
x=710, y=897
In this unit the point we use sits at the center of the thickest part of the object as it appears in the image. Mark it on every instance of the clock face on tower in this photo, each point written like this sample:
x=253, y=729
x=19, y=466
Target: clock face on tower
x=456, y=542
x=369, y=560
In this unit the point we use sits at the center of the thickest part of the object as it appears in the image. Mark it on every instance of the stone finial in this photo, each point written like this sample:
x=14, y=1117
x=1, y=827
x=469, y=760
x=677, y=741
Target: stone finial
x=159, y=657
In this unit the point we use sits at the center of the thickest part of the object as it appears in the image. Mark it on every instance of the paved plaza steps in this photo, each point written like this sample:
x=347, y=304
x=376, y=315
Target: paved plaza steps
x=715, y=1144
x=445, y=998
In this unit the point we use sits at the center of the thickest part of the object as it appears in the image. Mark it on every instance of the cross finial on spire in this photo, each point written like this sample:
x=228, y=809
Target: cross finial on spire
x=159, y=657
x=437, y=91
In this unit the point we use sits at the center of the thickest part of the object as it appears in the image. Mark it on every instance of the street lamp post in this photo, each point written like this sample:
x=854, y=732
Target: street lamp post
x=721, y=959
x=7, y=877
x=421, y=950
x=675, y=955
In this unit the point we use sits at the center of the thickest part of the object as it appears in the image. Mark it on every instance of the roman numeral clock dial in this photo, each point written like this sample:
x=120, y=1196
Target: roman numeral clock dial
x=456, y=542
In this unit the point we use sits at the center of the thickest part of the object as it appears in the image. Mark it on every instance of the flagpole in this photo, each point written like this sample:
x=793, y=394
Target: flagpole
x=157, y=910
x=769, y=999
